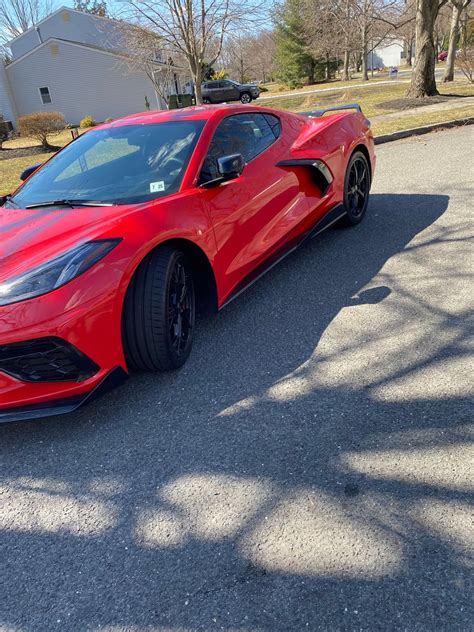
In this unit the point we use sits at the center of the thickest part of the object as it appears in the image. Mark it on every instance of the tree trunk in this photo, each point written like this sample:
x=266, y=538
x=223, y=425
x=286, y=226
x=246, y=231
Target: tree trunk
x=409, y=51
x=423, y=82
x=328, y=67
x=196, y=73
x=345, y=67
x=365, y=75
x=453, y=42
x=311, y=69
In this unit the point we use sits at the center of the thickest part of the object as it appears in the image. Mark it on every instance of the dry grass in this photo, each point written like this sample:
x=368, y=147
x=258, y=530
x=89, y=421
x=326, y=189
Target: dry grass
x=58, y=140
x=369, y=98
x=409, y=122
x=10, y=170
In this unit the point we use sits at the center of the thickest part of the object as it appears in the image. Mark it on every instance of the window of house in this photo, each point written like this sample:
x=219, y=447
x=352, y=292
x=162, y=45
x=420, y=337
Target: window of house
x=246, y=134
x=45, y=96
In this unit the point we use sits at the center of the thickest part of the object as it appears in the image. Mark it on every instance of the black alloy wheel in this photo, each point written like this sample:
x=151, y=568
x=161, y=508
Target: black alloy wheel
x=159, y=312
x=356, y=188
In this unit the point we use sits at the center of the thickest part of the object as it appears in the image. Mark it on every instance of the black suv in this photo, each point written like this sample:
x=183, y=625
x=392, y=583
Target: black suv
x=227, y=90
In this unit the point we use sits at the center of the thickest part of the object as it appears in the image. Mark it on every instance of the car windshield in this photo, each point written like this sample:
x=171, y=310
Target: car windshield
x=117, y=165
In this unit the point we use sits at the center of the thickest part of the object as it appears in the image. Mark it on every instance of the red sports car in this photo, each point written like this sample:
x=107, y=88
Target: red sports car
x=108, y=249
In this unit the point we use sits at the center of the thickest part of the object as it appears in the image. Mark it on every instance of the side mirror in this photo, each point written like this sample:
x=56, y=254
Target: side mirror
x=231, y=166
x=28, y=171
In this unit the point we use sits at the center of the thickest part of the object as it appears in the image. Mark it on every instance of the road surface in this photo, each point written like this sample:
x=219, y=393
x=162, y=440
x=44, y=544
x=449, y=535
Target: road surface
x=309, y=468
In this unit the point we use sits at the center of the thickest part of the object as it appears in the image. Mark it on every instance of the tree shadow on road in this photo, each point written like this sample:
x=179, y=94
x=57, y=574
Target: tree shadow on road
x=292, y=476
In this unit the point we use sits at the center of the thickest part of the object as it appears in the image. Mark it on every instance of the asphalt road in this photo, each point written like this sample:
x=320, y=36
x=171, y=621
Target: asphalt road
x=309, y=469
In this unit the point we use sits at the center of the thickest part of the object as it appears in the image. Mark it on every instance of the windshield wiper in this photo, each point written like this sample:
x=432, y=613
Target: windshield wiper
x=71, y=203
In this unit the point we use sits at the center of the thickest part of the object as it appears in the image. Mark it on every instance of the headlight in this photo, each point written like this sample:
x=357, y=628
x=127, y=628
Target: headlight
x=55, y=273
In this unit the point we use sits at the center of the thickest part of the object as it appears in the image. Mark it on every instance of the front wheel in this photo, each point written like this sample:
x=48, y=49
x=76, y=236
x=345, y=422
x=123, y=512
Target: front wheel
x=206, y=101
x=356, y=188
x=159, y=312
x=245, y=97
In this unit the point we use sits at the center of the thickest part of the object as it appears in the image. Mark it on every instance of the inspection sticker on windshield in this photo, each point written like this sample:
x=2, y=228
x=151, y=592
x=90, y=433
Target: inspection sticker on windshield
x=157, y=186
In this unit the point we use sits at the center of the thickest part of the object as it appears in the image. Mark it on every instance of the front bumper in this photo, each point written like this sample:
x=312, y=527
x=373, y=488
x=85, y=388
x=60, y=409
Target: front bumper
x=57, y=349
x=114, y=378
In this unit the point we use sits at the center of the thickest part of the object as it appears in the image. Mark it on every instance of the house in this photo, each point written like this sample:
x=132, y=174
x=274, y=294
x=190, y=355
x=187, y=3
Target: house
x=389, y=53
x=75, y=63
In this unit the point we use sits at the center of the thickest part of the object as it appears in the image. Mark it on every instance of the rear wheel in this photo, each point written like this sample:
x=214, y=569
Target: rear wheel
x=245, y=97
x=356, y=188
x=159, y=312
x=206, y=100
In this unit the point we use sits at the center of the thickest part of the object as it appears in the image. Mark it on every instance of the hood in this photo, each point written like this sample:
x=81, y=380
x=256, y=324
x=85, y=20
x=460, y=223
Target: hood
x=30, y=237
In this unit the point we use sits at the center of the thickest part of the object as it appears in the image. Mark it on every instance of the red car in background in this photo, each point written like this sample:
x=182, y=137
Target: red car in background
x=110, y=247
x=443, y=55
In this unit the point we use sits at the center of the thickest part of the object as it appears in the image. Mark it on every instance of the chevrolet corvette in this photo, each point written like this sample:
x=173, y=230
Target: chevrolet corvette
x=110, y=248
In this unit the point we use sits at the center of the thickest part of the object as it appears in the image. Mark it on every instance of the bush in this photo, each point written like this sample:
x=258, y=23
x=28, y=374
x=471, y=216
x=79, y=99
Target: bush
x=40, y=125
x=465, y=63
x=108, y=120
x=262, y=88
x=88, y=121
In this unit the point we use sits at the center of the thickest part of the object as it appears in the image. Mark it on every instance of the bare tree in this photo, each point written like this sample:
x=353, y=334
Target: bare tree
x=236, y=56
x=465, y=63
x=195, y=28
x=148, y=53
x=458, y=6
x=261, y=51
x=423, y=82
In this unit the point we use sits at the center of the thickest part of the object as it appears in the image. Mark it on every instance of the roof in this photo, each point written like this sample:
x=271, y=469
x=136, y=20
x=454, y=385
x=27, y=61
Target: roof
x=193, y=113
x=63, y=8
x=99, y=49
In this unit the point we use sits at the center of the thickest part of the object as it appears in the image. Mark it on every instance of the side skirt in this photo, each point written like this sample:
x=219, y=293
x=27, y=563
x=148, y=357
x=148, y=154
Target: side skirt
x=325, y=222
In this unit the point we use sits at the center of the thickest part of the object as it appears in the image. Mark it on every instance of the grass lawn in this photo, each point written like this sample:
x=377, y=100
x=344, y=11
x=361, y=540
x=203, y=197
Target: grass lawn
x=278, y=88
x=418, y=120
x=368, y=98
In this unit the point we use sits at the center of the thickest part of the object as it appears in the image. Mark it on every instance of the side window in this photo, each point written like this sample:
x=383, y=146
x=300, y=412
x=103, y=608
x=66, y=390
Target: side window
x=274, y=123
x=246, y=134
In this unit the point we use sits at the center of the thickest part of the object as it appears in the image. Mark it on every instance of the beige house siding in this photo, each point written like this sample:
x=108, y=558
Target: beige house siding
x=7, y=103
x=82, y=81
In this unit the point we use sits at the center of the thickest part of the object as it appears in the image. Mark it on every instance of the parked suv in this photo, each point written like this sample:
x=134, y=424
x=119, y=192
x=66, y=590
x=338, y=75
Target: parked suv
x=227, y=90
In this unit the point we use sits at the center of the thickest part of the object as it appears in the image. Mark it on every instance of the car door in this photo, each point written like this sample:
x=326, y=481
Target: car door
x=230, y=91
x=214, y=91
x=255, y=214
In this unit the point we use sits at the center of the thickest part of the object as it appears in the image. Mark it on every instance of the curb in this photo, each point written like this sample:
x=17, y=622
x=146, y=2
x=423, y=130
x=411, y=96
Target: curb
x=425, y=129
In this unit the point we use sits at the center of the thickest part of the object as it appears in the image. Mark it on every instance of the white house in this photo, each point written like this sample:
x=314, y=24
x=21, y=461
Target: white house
x=74, y=63
x=389, y=53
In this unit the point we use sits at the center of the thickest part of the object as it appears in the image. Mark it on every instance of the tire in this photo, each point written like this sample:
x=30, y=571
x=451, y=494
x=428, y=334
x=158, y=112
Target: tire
x=206, y=101
x=245, y=97
x=356, y=189
x=158, y=326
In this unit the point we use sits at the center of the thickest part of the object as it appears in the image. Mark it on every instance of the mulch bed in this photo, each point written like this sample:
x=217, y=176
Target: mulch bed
x=407, y=104
x=20, y=152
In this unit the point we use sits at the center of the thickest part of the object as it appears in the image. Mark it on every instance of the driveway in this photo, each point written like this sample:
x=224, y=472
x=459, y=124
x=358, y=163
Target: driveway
x=309, y=469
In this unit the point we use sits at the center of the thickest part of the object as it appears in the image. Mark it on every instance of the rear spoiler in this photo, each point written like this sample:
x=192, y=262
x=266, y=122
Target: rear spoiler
x=336, y=108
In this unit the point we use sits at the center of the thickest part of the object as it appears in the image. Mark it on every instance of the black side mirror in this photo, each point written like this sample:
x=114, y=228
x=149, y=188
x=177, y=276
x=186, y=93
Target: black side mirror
x=231, y=166
x=28, y=171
